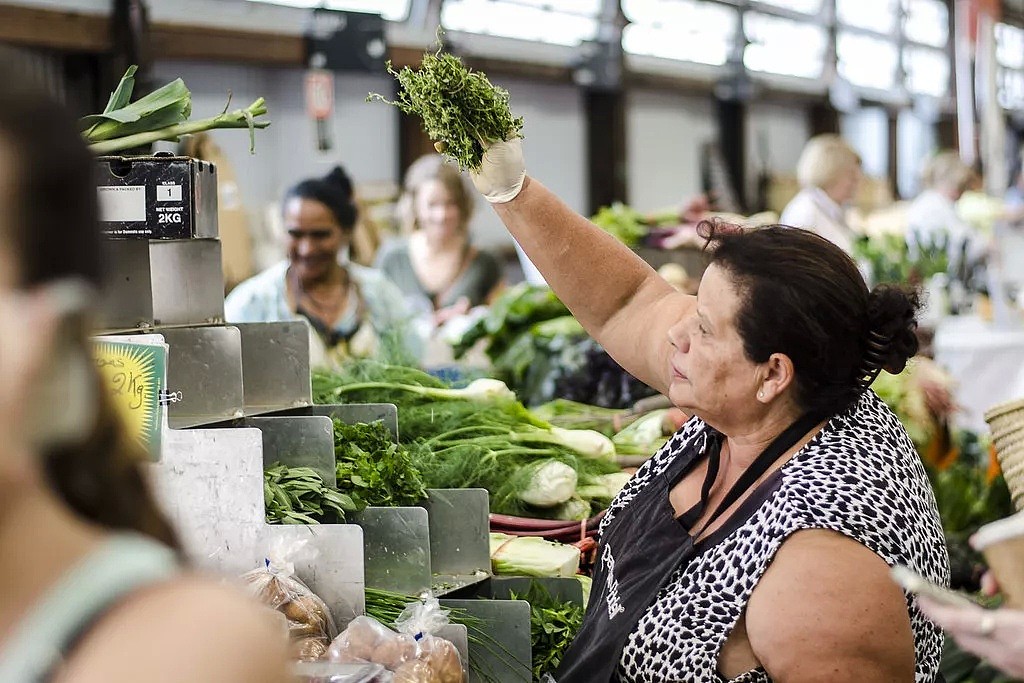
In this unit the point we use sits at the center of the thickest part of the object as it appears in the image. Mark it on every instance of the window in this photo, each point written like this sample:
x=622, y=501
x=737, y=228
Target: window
x=927, y=22
x=874, y=15
x=927, y=71
x=810, y=7
x=1010, y=46
x=784, y=46
x=687, y=30
x=559, y=22
x=866, y=61
x=392, y=10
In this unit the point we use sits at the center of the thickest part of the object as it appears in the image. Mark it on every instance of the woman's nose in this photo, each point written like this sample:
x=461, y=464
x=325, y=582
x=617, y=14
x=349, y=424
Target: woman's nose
x=678, y=335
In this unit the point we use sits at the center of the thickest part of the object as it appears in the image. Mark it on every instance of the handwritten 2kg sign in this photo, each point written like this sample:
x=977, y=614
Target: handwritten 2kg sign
x=134, y=376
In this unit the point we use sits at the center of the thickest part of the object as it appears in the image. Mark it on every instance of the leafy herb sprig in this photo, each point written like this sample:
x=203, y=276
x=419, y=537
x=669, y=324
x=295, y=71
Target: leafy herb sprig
x=553, y=626
x=460, y=108
x=298, y=495
x=373, y=469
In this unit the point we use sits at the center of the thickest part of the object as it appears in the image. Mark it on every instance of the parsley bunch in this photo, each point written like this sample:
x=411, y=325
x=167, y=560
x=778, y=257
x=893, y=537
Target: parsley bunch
x=460, y=108
x=373, y=469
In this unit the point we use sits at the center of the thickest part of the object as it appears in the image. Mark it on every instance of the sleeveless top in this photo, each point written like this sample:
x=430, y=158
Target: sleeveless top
x=859, y=476
x=49, y=632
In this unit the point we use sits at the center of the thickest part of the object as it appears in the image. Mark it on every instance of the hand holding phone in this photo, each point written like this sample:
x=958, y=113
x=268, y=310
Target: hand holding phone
x=919, y=585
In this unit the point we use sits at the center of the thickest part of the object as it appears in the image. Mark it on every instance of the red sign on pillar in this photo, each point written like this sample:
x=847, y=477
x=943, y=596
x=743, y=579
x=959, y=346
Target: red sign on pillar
x=320, y=104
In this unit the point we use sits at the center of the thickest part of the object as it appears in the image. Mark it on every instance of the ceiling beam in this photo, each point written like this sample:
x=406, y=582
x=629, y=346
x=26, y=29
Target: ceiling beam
x=54, y=29
x=178, y=41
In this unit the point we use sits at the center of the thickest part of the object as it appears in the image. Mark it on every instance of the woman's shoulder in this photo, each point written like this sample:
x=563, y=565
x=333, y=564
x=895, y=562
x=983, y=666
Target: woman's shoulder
x=267, y=286
x=187, y=628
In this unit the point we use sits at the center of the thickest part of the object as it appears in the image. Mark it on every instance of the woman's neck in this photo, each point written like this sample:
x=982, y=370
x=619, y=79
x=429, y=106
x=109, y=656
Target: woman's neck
x=40, y=541
x=748, y=441
x=443, y=244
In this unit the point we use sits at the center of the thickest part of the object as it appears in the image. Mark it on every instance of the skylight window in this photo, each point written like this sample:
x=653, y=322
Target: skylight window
x=685, y=30
x=559, y=22
x=783, y=46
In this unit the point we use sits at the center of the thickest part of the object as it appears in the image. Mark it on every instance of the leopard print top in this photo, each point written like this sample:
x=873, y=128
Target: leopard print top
x=859, y=476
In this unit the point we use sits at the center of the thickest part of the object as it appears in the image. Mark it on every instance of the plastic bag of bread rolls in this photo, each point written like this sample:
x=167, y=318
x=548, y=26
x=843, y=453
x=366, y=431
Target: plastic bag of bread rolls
x=413, y=654
x=310, y=626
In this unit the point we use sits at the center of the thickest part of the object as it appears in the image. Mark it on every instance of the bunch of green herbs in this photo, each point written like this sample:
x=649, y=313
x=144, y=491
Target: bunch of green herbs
x=554, y=624
x=374, y=470
x=298, y=495
x=460, y=108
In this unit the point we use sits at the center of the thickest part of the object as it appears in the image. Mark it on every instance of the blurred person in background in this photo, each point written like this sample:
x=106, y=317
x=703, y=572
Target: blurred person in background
x=829, y=173
x=932, y=218
x=436, y=265
x=352, y=310
x=91, y=584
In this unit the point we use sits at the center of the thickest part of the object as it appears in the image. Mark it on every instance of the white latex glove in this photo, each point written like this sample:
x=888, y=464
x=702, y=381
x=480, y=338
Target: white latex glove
x=502, y=171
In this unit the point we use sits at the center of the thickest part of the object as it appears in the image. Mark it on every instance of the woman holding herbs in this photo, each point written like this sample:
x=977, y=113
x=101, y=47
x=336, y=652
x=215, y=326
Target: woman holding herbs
x=756, y=545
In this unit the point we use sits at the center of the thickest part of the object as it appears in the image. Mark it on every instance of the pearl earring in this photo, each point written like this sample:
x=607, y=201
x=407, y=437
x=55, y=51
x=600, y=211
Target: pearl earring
x=760, y=394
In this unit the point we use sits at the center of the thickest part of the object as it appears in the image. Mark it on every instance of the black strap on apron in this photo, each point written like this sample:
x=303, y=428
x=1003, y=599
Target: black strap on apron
x=644, y=546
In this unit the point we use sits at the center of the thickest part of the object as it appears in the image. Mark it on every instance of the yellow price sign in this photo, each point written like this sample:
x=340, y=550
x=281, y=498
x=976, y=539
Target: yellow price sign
x=134, y=375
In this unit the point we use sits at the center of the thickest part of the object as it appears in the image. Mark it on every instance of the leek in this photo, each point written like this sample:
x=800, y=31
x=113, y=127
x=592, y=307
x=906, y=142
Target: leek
x=160, y=115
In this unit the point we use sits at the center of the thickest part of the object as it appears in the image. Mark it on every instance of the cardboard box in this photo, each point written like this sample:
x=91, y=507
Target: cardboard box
x=159, y=197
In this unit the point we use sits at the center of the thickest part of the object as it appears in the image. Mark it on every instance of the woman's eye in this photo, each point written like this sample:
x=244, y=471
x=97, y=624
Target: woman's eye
x=703, y=330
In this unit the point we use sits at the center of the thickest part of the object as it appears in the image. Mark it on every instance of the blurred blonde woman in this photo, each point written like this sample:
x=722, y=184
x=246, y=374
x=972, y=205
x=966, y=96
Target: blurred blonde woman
x=932, y=218
x=436, y=265
x=829, y=173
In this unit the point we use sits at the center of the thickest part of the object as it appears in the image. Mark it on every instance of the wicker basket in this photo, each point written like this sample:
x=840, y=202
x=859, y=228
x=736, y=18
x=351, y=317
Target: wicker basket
x=1006, y=421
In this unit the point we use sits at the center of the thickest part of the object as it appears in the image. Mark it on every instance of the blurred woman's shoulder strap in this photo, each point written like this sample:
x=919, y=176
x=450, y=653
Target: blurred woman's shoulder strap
x=124, y=564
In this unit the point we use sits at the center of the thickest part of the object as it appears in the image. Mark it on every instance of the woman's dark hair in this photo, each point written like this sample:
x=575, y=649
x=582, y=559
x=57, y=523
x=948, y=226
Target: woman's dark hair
x=802, y=296
x=52, y=231
x=334, y=191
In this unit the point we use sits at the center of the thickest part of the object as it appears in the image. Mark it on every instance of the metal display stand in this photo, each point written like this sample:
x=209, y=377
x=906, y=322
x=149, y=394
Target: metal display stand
x=242, y=400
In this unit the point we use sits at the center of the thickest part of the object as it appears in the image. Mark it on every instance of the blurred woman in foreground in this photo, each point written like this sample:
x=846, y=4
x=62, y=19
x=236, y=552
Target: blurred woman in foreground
x=91, y=588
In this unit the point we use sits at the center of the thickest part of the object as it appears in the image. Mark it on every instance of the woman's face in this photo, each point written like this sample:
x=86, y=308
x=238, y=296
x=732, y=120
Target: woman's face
x=437, y=214
x=314, y=239
x=844, y=190
x=711, y=375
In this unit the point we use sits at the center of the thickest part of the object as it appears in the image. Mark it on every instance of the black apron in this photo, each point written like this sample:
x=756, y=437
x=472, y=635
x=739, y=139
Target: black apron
x=645, y=544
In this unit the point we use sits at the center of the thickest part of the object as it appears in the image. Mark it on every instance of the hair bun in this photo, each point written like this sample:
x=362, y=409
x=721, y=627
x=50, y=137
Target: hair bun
x=892, y=314
x=341, y=180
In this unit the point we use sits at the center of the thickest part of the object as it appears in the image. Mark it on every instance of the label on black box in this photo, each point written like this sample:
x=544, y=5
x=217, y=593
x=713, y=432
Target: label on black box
x=122, y=203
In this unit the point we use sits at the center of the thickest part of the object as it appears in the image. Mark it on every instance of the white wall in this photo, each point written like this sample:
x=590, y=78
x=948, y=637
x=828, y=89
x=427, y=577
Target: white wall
x=554, y=143
x=664, y=133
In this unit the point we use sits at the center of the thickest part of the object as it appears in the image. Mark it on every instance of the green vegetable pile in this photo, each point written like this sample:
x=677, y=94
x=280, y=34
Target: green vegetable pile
x=460, y=108
x=479, y=436
x=298, y=495
x=553, y=625
x=542, y=352
x=160, y=115
x=628, y=225
x=372, y=469
x=890, y=259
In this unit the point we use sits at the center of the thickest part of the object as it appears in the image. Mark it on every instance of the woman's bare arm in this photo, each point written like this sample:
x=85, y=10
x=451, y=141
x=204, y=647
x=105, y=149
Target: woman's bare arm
x=826, y=610
x=617, y=297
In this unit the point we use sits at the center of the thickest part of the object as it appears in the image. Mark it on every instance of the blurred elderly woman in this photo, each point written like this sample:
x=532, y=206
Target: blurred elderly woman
x=436, y=266
x=829, y=173
x=932, y=219
x=756, y=544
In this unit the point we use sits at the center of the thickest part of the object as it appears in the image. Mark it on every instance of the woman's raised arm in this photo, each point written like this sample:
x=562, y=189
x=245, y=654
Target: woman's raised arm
x=617, y=297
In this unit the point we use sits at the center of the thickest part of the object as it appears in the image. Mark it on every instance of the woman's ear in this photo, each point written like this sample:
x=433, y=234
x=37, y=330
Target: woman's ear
x=778, y=376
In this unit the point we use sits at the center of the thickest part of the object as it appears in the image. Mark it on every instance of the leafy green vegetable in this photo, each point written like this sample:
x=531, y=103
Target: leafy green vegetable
x=460, y=108
x=161, y=115
x=553, y=626
x=373, y=469
x=298, y=495
x=891, y=261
